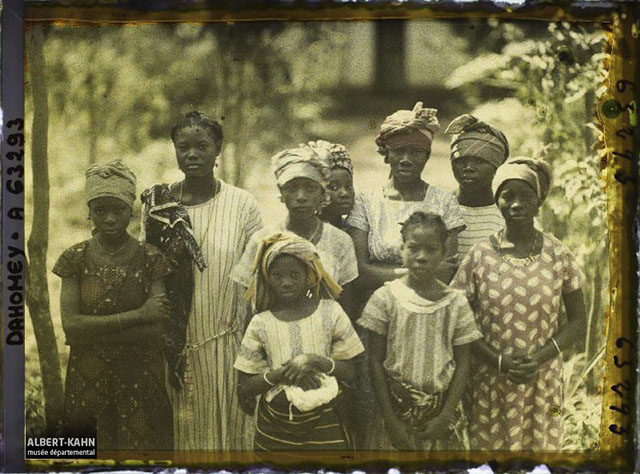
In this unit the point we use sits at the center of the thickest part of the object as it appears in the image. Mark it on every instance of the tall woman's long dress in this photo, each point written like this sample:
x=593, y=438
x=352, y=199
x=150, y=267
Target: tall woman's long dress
x=517, y=306
x=206, y=411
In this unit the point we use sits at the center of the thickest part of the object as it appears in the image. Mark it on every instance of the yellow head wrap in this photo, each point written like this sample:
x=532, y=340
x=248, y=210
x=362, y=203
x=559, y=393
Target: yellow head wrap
x=287, y=243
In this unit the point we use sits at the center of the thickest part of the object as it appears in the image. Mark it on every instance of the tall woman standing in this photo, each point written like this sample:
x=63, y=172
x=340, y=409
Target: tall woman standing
x=203, y=224
x=516, y=281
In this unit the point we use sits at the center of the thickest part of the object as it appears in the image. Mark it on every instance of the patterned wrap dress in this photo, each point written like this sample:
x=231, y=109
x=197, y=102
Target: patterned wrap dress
x=269, y=343
x=517, y=309
x=116, y=389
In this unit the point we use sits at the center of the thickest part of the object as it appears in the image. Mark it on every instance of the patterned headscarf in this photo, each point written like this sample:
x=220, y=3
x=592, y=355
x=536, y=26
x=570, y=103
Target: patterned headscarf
x=288, y=243
x=333, y=154
x=476, y=138
x=299, y=163
x=111, y=179
x=408, y=128
x=536, y=173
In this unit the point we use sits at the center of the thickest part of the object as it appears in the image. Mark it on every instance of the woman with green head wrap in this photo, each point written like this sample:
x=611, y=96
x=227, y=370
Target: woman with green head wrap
x=113, y=313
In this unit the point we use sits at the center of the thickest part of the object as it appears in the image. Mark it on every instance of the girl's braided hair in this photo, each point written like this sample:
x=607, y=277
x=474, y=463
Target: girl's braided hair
x=195, y=118
x=427, y=220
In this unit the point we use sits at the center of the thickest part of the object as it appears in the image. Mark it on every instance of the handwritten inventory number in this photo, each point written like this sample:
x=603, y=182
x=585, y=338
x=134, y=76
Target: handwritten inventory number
x=625, y=132
x=623, y=389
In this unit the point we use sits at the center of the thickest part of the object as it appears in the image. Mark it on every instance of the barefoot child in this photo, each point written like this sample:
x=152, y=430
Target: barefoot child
x=477, y=150
x=420, y=332
x=297, y=349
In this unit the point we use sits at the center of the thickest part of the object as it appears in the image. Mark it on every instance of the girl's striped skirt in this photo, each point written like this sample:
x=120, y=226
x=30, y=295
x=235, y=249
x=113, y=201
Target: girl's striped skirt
x=282, y=427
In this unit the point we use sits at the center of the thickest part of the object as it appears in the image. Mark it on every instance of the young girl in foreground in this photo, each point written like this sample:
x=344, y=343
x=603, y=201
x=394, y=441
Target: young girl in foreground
x=420, y=332
x=296, y=349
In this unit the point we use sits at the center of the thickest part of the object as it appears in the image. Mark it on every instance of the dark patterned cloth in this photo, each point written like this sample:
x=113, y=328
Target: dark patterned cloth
x=113, y=387
x=417, y=408
x=166, y=225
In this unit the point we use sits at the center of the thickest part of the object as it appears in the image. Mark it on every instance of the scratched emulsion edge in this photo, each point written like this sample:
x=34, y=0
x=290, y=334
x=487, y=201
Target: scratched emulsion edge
x=613, y=453
x=620, y=181
x=12, y=236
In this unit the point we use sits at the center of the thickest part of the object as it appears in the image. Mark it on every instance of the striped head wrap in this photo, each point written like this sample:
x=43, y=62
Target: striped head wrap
x=299, y=162
x=112, y=179
x=536, y=173
x=408, y=128
x=287, y=243
x=476, y=138
x=333, y=154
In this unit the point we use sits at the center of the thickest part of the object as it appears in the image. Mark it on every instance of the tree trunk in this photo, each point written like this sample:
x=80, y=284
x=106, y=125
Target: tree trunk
x=390, y=55
x=37, y=291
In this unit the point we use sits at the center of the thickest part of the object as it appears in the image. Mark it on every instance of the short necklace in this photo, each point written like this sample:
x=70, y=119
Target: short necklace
x=529, y=259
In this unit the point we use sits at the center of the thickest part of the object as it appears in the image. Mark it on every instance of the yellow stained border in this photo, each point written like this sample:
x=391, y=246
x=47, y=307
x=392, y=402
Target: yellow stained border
x=619, y=180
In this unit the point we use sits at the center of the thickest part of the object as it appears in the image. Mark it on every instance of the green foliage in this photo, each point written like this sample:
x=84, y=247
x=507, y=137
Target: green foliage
x=582, y=410
x=554, y=80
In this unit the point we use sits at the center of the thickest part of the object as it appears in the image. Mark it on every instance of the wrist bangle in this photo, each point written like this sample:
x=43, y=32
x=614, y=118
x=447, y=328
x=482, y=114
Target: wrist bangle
x=333, y=366
x=500, y=363
x=557, y=346
x=264, y=376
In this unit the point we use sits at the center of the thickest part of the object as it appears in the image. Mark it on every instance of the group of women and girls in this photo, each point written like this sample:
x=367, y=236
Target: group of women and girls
x=214, y=332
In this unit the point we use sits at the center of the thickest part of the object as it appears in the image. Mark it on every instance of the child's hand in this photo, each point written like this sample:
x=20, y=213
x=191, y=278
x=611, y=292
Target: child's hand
x=310, y=381
x=400, y=437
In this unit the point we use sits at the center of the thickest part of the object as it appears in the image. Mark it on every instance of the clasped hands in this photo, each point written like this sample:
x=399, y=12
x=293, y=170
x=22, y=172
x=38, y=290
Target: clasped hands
x=302, y=371
x=520, y=368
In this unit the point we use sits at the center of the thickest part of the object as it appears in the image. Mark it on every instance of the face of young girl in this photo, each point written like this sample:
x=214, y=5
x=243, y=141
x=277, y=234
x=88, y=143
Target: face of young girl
x=196, y=151
x=473, y=173
x=407, y=163
x=288, y=277
x=302, y=196
x=341, y=193
x=110, y=216
x=422, y=252
x=517, y=201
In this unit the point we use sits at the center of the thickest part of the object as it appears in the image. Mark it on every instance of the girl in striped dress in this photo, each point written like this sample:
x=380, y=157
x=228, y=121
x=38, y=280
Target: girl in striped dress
x=420, y=334
x=297, y=349
x=477, y=150
x=203, y=225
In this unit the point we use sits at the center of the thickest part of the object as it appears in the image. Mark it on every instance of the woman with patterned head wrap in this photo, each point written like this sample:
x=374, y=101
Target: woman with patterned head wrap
x=340, y=182
x=296, y=350
x=302, y=179
x=404, y=140
x=203, y=225
x=477, y=150
x=114, y=312
x=516, y=282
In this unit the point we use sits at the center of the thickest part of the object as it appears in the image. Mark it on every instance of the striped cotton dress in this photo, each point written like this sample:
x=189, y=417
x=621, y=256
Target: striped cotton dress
x=206, y=412
x=481, y=222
